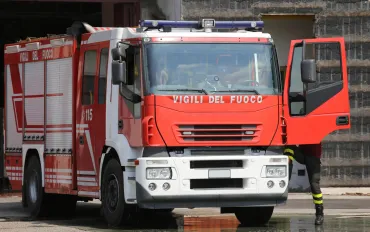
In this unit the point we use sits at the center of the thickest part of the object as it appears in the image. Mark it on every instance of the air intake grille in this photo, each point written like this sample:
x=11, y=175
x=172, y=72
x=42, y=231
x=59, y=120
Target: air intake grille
x=231, y=132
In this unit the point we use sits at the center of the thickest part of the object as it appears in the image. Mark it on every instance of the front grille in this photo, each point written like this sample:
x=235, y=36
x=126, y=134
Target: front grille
x=216, y=132
x=215, y=183
x=215, y=152
x=216, y=164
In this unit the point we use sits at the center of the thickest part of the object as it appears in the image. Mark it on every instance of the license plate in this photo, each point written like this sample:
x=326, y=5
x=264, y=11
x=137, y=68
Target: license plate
x=219, y=173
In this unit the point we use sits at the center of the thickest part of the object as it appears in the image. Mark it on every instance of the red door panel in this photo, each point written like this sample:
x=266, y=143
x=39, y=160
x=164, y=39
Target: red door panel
x=314, y=110
x=85, y=112
x=99, y=120
x=91, y=108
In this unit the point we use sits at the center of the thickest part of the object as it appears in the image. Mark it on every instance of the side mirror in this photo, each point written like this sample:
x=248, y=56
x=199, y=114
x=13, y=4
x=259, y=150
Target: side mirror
x=308, y=71
x=119, y=74
x=119, y=52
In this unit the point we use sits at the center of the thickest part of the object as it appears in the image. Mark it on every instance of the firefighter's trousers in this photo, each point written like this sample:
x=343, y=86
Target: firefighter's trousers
x=313, y=166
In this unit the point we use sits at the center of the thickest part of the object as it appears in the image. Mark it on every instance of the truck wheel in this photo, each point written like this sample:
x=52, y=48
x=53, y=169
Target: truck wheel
x=254, y=216
x=35, y=197
x=115, y=210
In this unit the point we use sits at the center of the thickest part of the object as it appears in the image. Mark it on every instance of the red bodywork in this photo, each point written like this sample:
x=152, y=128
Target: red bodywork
x=262, y=118
x=13, y=159
x=64, y=173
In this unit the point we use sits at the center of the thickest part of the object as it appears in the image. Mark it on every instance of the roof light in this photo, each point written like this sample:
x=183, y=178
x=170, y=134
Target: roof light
x=12, y=49
x=240, y=24
x=57, y=42
x=205, y=23
x=208, y=23
x=33, y=46
x=167, y=23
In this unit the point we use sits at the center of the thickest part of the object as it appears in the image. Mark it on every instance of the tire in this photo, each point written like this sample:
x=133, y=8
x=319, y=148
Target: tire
x=115, y=210
x=254, y=216
x=36, y=203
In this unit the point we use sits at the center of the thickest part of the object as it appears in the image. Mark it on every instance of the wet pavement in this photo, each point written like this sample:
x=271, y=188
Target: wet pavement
x=347, y=214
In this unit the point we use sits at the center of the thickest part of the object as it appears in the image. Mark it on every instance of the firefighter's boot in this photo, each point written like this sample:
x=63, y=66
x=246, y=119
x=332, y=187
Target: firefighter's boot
x=319, y=214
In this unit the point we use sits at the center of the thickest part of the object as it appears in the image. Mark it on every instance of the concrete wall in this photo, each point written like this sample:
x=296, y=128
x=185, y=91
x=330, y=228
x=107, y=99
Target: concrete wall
x=346, y=156
x=161, y=9
x=150, y=9
x=170, y=8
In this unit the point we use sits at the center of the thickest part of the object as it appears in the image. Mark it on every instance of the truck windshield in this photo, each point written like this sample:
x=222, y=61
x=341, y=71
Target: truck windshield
x=183, y=68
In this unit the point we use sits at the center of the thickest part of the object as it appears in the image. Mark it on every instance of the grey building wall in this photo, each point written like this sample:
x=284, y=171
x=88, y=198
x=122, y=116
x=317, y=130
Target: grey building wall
x=346, y=154
x=161, y=9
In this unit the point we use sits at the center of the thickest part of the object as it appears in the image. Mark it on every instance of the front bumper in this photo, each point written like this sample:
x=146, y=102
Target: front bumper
x=251, y=191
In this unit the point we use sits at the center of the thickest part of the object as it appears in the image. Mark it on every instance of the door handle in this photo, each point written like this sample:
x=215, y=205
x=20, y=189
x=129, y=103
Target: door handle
x=81, y=139
x=342, y=120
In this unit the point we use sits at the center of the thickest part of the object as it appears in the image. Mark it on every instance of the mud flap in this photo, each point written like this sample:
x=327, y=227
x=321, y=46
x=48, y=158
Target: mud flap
x=5, y=185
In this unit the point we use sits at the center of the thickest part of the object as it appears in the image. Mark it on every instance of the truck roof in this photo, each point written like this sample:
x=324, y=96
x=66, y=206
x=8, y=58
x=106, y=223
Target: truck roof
x=187, y=33
x=120, y=33
x=98, y=34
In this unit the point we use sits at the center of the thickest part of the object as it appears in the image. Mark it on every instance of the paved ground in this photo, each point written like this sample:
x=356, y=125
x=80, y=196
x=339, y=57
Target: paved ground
x=344, y=213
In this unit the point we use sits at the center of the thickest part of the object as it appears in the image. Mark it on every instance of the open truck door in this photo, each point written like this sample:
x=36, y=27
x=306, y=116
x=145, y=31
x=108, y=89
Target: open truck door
x=316, y=99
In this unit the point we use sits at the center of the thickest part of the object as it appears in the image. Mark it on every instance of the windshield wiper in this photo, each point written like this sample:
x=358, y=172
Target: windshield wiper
x=179, y=90
x=239, y=90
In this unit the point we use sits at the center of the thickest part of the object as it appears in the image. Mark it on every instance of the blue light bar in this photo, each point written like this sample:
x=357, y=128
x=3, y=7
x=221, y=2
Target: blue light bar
x=167, y=23
x=198, y=24
x=239, y=24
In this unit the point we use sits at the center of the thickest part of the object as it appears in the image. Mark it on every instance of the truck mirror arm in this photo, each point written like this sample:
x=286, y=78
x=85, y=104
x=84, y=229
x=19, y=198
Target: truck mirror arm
x=128, y=94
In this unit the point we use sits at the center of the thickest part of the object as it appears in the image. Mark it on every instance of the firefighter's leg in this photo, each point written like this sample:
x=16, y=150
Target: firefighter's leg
x=294, y=154
x=313, y=166
x=288, y=151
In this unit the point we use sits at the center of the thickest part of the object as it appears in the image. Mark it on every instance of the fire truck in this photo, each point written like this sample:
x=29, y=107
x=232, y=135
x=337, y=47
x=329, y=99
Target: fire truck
x=169, y=114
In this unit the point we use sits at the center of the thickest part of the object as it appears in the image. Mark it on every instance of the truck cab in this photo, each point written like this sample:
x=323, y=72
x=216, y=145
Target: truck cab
x=216, y=114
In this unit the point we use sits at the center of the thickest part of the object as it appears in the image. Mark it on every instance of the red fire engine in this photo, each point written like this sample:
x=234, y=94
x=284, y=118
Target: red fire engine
x=166, y=115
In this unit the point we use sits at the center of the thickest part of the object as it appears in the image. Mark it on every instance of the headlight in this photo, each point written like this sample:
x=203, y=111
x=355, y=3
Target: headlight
x=158, y=173
x=275, y=171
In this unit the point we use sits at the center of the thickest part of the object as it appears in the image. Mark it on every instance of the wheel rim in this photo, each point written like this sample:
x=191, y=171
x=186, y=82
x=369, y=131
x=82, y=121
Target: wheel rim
x=33, y=187
x=112, y=193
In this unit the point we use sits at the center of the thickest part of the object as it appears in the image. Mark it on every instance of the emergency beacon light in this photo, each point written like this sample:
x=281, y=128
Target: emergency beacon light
x=205, y=23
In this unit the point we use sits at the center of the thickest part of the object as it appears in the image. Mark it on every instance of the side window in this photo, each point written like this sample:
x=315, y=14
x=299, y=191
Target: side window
x=296, y=85
x=137, y=82
x=102, y=83
x=89, y=77
x=304, y=98
x=134, y=81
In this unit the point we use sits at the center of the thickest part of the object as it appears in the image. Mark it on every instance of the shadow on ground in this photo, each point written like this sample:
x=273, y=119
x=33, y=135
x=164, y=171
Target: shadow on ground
x=88, y=218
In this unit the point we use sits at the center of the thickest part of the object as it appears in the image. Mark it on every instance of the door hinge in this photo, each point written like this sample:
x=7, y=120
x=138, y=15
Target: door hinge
x=120, y=124
x=283, y=130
